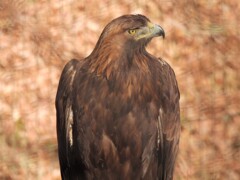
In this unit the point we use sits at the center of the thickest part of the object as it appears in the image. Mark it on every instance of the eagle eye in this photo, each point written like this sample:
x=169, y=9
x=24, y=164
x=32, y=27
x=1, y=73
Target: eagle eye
x=132, y=31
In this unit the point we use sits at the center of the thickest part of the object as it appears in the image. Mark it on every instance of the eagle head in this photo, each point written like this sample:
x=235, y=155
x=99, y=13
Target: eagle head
x=130, y=31
x=122, y=42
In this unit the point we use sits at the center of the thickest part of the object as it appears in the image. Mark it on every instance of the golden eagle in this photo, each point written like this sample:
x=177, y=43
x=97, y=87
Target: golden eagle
x=118, y=109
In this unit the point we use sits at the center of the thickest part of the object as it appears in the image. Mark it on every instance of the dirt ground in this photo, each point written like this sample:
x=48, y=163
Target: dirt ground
x=38, y=37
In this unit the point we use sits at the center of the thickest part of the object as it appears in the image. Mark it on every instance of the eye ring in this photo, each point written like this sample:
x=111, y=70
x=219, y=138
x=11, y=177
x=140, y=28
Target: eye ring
x=132, y=31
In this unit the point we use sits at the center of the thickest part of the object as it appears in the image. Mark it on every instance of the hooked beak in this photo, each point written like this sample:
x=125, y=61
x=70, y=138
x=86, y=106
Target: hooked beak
x=150, y=31
x=157, y=31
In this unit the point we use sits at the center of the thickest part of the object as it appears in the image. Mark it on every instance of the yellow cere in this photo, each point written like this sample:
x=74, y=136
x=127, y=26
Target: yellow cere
x=150, y=25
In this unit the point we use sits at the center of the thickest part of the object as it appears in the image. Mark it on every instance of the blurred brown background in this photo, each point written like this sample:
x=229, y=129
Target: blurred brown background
x=38, y=37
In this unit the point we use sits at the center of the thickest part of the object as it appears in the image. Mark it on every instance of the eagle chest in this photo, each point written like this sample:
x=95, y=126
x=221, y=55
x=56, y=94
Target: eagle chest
x=116, y=97
x=122, y=109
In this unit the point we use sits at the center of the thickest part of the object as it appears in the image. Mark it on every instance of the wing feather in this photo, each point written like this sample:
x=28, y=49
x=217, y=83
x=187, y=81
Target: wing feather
x=65, y=115
x=163, y=142
x=169, y=123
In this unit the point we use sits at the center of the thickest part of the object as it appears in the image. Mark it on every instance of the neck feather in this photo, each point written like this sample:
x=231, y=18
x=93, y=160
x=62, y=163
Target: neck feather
x=107, y=59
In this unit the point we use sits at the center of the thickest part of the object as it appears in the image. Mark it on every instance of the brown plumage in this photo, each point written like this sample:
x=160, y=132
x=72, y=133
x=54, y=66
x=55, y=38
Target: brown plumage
x=118, y=109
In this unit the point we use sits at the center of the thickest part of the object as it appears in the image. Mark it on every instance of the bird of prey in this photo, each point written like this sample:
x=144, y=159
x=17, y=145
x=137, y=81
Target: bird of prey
x=118, y=108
